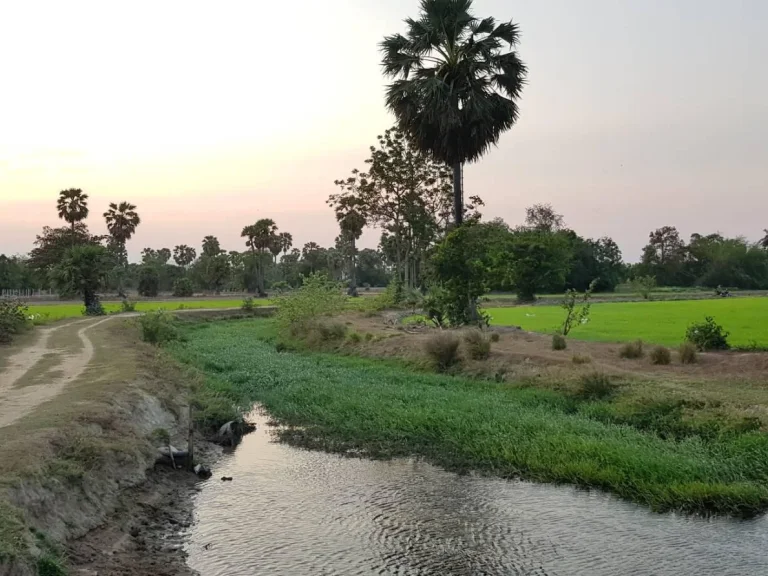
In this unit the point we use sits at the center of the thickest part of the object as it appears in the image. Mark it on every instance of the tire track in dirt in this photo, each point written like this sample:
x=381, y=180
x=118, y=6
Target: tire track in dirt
x=15, y=403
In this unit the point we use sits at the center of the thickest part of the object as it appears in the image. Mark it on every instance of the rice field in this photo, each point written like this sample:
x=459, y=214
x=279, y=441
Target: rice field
x=655, y=322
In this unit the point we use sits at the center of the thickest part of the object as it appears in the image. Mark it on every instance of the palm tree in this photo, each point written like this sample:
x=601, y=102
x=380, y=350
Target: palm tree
x=286, y=241
x=456, y=84
x=184, y=255
x=260, y=237
x=764, y=240
x=122, y=221
x=351, y=220
x=73, y=207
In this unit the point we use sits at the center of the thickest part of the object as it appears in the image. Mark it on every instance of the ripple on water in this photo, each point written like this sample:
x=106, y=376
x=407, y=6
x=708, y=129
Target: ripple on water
x=294, y=512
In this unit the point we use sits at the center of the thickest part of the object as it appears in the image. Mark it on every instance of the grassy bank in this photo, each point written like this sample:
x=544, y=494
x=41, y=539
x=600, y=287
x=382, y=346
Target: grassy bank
x=383, y=409
x=656, y=322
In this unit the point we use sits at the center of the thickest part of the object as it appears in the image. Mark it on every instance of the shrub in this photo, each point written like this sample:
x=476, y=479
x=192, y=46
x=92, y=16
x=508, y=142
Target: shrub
x=595, y=386
x=413, y=299
x=661, y=356
x=579, y=359
x=182, y=288
x=317, y=297
x=707, y=335
x=575, y=315
x=495, y=336
x=478, y=345
x=158, y=327
x=13, y=319
x=247, y=305
x=127, y=306
x=368, y=336
x=149, y=281
x=94, y=308
x=632, y=350
x=558, y=342
x=643, y=285
x=687, y=353
x=354, y=338
x=443, y=350
x=280, y=286
x=324, y=332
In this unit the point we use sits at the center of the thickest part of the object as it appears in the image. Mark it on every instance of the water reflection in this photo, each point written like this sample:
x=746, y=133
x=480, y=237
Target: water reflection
x=293, y=512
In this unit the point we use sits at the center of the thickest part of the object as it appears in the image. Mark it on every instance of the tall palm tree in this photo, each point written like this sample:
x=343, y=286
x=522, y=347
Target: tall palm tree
x=457, y=80
x=122, y=221
x=286, y=241
x=73, y=207
x=351, y=218
x=260, y=238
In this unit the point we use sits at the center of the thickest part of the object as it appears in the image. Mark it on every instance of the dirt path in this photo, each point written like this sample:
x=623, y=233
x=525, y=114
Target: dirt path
x=15, y=403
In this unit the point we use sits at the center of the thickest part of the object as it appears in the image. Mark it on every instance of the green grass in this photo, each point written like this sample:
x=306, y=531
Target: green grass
x=385, y=410
x=52, y=312
x=654, y=322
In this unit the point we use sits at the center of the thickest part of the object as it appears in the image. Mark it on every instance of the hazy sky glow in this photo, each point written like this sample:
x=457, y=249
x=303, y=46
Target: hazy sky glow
x=208, y=116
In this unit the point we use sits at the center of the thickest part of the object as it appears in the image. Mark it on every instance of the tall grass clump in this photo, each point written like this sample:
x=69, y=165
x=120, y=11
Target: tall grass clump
x=477, y=344
x=443, y=350
x=300, y=312
x=661, y=356
x=558, y=342
x=158, y=327
x=632, y=350
x=595, y=386
x=687, y=352
x=13, y=319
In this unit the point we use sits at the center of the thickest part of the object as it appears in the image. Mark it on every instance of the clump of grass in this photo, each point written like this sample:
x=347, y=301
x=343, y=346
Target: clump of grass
x=368, y=336
x=158, y=327
x=127, y=306
x=661, y=356
x=595, y=386
x=443, y=350
x=495, y=337
x=687, y=352
x=477, y=344
x=247, y=305
x=632, y=350
x=354, y=338
x=558, y=342
x=581, y=359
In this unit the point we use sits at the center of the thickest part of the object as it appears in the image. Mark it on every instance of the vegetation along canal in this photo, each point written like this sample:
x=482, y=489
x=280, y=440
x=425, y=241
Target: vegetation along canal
x=289, y=510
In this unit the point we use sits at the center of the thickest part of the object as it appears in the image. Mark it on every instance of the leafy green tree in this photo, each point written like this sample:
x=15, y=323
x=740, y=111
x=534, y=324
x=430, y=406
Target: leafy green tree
x=82, y=271
x=53, y=243
x=72, y=206
x=149, y=280
x=371, y=269
x=663, y=256
x=261, y=238
x=543, y=217
x=456, y=83
x=211, y=246
x=536, y=260
x=184, y=255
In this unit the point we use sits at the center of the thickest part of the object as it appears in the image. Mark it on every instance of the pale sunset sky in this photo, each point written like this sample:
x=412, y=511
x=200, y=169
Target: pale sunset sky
x=210, y=115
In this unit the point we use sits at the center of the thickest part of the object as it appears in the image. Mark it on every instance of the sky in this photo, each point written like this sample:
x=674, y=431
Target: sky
x=211, y=115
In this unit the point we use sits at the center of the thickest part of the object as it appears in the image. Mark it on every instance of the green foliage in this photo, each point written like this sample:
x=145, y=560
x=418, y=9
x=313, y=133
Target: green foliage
x=13, y=319
x=559, y=342
x=247, y=305
x=477, y=344
x=354, y=338
x=94, y=308
x=82, y=271
x=182, y=288
x=708, y=335
x=595, y=386
x=443, y=349
x=149, y=281
x=317, y=297
x=158, y=327
x=575, y=315
x=536, y=260
x=661, y=356
x=688, y=353
x=127, y=306
x=632, y=350
x=643, y=285
x=280, y=286
x=413, y=299
x=495, y=337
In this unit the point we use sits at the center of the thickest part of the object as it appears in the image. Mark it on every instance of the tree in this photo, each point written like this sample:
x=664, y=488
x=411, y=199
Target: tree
x=764, y=240
x=285, y=241
x=211, y=246
x=351, y=219
x=73, y=208
x=184, y=255
x=455, y=88
x=82, y=271
x=536, y=260
x=149, y=280
x=371, y=270
x=122, y=221
x=261, y=237
x=544, y=218
x=53, y=243
x=663, y=255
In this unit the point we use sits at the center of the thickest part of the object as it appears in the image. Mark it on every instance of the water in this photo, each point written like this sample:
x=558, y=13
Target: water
x=294, y=512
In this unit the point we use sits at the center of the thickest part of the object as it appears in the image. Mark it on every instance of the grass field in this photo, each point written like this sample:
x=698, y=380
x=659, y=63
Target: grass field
x=383, y=409
x=656, y=322
x=45, y=313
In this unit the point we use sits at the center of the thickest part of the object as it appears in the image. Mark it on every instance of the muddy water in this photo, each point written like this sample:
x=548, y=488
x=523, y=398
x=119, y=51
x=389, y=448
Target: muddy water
x=294, y=512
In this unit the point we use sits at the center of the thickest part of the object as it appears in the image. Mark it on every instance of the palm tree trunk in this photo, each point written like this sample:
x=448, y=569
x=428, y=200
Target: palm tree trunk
x=352, y=290
x=458, y=195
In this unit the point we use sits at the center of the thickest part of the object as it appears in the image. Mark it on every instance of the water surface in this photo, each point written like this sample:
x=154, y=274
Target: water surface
x=294, y=512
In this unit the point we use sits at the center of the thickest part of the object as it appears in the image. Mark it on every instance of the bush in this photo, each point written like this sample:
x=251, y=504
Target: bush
x=443, y=350
x=280, y=286
x=661, y=356
x=94, y=308
x=354, y=338
x=149, y=281
x=478, y=345
x=13, y=319
x=158, y=327
x=495, y=336
x=247, y=305
x=687, y=353
x=643, y=285
x=324, y=332
x=127, y=306
x=595, y=386
x=368, y=336
x=182, y=288
x=558, y=342
x=708, y=335
x=632, y=350
x=317, y=297
x=579, y=359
